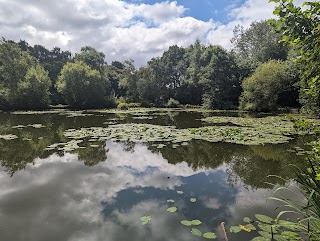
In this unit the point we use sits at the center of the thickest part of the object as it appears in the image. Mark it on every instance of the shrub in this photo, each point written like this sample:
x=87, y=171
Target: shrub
x=123, y=106
x=172, y=103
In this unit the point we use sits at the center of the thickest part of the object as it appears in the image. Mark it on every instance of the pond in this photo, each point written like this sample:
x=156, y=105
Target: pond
x=72, y=175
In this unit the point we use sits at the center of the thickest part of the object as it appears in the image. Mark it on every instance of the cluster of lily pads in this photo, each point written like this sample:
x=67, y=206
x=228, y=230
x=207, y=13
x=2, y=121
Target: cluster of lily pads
x=246, y=131
x=269, y=229
x=189, y=223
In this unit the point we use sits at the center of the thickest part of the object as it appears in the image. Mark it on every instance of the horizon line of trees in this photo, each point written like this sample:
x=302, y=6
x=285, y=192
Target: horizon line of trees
x=258, y=74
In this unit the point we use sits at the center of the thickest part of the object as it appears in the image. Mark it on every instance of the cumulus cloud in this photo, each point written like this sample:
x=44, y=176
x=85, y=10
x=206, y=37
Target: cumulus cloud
x=120, y=29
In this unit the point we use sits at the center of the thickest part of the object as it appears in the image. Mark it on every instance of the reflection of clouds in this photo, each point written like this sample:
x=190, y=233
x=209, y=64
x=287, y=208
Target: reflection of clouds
x=213, y=203
x=141, y=159
x=58, y=198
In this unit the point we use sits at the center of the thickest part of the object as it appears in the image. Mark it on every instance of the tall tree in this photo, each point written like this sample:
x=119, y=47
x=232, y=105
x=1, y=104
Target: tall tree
x=219, y=76
x=24, y=84
x=82, y=86
x=258, y=44
x=300, y=28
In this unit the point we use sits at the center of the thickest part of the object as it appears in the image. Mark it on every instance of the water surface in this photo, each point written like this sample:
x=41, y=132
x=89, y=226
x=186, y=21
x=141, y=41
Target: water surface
x=101, y=192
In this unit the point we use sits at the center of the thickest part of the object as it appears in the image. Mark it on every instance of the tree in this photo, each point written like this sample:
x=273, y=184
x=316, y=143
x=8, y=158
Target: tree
x=261, y=91
x=24, y=84
x=300, y=28
x=219, y=79
x=91, y=57
x=258, y=44
x=82, y=86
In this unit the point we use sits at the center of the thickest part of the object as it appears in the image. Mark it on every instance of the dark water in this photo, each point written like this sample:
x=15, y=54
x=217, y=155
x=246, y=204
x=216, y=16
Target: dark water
x=101, y=193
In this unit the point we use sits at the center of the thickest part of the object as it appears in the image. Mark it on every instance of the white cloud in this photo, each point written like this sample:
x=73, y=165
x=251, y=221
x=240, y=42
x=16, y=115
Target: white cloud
x=120, y=29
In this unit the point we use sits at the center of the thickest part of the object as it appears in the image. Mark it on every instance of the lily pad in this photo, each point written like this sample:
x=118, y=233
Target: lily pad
x=186, y=223
x=235, y=229
x=264, y=218
x=193, y=200
x=196, y=232
x=170, y=201
x=196, y=222
x=8, y=137
x=180, y=192
x=145, y=219
x=172, y=209
x=209, y=235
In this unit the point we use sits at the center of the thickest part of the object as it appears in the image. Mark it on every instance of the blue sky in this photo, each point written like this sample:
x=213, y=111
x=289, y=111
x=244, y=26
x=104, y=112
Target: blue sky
x=128, y=29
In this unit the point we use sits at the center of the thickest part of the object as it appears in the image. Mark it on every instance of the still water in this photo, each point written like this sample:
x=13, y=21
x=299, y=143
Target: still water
x=100, y=192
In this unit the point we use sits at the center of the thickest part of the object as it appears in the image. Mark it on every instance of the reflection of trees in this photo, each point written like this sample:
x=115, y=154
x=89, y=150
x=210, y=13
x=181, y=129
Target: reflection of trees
x=16, y=154
x=258, y=162
x=249, y=164
x=93, y=155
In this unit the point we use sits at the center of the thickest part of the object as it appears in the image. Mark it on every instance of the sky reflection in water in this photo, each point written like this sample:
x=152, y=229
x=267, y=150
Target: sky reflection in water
x=101, y=193
x=59, y=198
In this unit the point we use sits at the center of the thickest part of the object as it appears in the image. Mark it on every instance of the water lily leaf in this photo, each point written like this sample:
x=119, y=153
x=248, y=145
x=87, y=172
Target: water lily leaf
x=196, y=232
x=172, y=209
x=264, y=218
x=235, y=229
x=186, y=223
x=247, y=220
x=193, y=200
x=145, y=219
x=209, y=235
x=196, y=222
x=170, y=201
x=180, y=192
x=260, y=238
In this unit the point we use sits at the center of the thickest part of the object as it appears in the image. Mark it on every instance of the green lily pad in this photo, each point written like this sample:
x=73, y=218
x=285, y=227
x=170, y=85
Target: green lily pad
x=170, y=201
x=186, y=223
x=247, y=220
x=196, y=222
x=264, y=218
x=196, y=232
x=180, y=192
x=209, y=235
x=193, y=200
x=145, y=219
x=235, y=229
x=172, y=209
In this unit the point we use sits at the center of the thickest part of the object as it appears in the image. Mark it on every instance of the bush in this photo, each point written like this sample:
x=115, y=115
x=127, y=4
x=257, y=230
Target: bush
x=134, y=105
x=123, y=106
x=172, y=103
x=261, y=91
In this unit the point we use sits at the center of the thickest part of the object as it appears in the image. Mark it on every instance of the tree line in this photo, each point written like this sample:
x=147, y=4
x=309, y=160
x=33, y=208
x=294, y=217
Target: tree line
x=262, y=72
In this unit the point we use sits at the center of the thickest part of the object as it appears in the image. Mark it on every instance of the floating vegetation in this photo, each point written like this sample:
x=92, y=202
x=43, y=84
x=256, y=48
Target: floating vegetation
x=37, y=126
x=18, y=127
x=142, y=133
x=172, y=209
x=196, y=232
x=193, y=200
x=269, y=228
x=170, y=201
x=142, y=117
x=180, y=192
x=277, y=125
x=145, y=219
x=8, y=137
x=209, y=235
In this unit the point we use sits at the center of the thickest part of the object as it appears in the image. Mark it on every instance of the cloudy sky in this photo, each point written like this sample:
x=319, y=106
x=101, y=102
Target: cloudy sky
x=124, y=29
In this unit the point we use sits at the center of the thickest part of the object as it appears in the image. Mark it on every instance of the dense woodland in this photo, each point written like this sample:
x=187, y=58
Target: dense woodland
x=264, y=71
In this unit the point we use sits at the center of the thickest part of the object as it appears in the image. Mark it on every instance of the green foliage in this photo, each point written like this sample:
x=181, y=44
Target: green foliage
x=82, y=86
x=300, y=28
x=258, y=44
x=261, y=91
x=219, y=78
x=91, y=57
x=123, y=106
x=172, y=103
x=24, y=84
